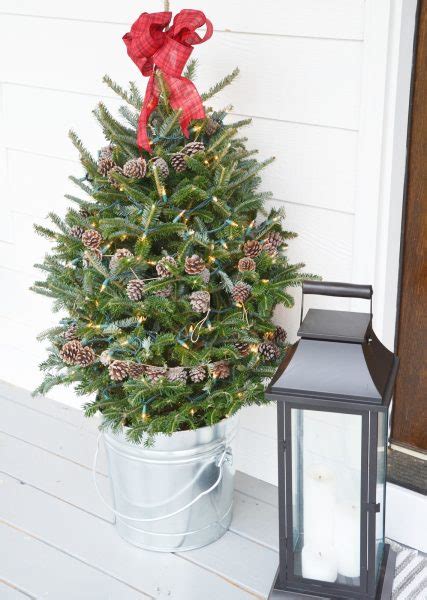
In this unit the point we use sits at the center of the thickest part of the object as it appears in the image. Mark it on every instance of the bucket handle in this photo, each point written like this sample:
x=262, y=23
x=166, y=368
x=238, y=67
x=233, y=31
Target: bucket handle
x=227, y=452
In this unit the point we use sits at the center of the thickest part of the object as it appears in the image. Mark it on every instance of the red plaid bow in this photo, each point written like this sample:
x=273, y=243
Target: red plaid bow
x=149, y=46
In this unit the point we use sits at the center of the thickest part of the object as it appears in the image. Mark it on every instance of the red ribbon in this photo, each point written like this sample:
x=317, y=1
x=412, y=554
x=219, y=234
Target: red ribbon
x=149, y=45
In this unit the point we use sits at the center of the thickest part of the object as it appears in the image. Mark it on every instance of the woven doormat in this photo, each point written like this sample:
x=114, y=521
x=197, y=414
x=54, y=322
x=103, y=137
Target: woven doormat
x=410, y=581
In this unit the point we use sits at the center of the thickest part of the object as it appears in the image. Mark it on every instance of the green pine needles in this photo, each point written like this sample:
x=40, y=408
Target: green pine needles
x=167, y=277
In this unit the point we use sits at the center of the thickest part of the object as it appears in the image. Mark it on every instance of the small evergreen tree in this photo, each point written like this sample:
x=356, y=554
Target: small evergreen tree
x=168, y=280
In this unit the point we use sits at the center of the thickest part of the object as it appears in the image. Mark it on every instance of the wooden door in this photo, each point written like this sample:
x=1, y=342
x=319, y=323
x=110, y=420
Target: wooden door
x=409, y=425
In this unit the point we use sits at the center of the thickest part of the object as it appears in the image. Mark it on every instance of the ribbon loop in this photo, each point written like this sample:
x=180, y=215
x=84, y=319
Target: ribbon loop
x=150, y=45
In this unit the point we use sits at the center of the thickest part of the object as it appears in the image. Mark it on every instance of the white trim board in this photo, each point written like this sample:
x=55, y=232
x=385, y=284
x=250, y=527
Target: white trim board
x=406, y=517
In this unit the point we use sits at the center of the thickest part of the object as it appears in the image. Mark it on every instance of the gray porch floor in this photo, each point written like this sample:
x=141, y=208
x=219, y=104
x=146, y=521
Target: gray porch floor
x=57, y=539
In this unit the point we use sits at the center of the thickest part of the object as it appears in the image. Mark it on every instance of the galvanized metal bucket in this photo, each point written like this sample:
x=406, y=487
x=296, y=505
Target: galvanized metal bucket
x=178, y=494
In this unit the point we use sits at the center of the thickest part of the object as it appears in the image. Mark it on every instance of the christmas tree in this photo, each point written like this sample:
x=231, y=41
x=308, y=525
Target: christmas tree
x=168, y=269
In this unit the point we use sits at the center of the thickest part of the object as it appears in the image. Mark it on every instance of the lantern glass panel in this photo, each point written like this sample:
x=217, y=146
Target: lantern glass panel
x=326, y=488
x=381, y=478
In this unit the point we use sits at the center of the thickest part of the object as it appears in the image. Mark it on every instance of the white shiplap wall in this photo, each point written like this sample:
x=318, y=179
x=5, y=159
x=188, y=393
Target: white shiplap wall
x=305, y=68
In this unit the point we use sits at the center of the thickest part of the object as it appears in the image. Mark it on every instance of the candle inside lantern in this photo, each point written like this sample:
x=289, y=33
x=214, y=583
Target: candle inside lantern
x=347, y=539
x=318, y=563
x=319, y=506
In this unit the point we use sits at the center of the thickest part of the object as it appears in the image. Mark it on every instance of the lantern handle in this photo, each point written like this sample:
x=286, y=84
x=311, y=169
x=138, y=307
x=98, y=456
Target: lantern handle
x=338, y=289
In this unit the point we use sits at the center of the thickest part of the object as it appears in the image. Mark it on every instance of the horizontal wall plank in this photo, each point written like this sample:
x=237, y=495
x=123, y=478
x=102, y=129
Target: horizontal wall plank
x=314, y=165
x=328, y=18
x=45, y=572
x=95, y=542
x=292, y=79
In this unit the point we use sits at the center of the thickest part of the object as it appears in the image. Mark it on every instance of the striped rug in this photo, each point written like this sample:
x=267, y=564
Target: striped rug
x=410, y=582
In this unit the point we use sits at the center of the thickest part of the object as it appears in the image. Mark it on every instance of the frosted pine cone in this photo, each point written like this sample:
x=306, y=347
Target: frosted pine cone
x=154, y=373
x=252, y=248
x=95, y=254
x=269, y=350
x=91, y=239
x=106, y=151
x=161, y=165
x=280, y=335
x=83, y=212
x=105, y=164
x=135, y=289
x=105, y=358
x=119, y=255
x=115, y=170
x=197, y=374
x=70, y=351
x=241, y=292
x=193, y=148
x=211, y=126
x=70, y=333
x=269, y=249
x=205, y=275
x=76, y=232
x=86, y=356
x=165, y=292
x=162, y=266
x=135, y=168
x=220, y=369
x=194, y=265
x=178, y=374
x=243, y=348
x=200, y=301
x=118, y=370
x=136, y=370
x=178, y=162
x=274, y=238
x=246, y=264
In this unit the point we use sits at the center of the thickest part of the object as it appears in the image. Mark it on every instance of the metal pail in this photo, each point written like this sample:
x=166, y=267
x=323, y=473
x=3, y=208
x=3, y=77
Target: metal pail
x=178, y=494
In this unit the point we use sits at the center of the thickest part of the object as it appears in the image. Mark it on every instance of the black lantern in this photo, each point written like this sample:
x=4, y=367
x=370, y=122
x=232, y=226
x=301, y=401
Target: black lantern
x=333, y=391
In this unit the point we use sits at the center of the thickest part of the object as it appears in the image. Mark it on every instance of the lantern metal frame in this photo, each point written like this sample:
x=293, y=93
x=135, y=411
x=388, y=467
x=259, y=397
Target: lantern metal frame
x=373, y=585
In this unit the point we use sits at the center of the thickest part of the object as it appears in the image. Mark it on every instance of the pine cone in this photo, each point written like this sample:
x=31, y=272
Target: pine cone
x=95, y=254
x=243, y=347
x=161, y=165
x=70, y=351
x=269, y=249
x=280, y=335
x=70, y=333
x=118, y=256
x=136, y=370
x=178, y=374
x=86, y=356
x=241, y=292
x=105, y=164
x=211, y=126
x=135, y=289
x=113, y=182
x=83, y=212
x=165, y=292
x=200, y=301
x=118, y=370
x=106, y=151
x=178, y=162
x=194, y=265
x=162, y=266
x=105, y=358
x=269, y=350
x=220, y=369
x=252, y=248
x=246, y=264
x=154, y=373
x=76, y=232
x=193, y=148
x=135, y=168
x=274, y=238
x=91, y=239
x=205, y=275
x=197, y=374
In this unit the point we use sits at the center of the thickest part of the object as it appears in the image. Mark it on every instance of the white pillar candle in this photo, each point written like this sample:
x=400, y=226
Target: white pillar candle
x=319, y=506
x=347, y=539
x=319, y=564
